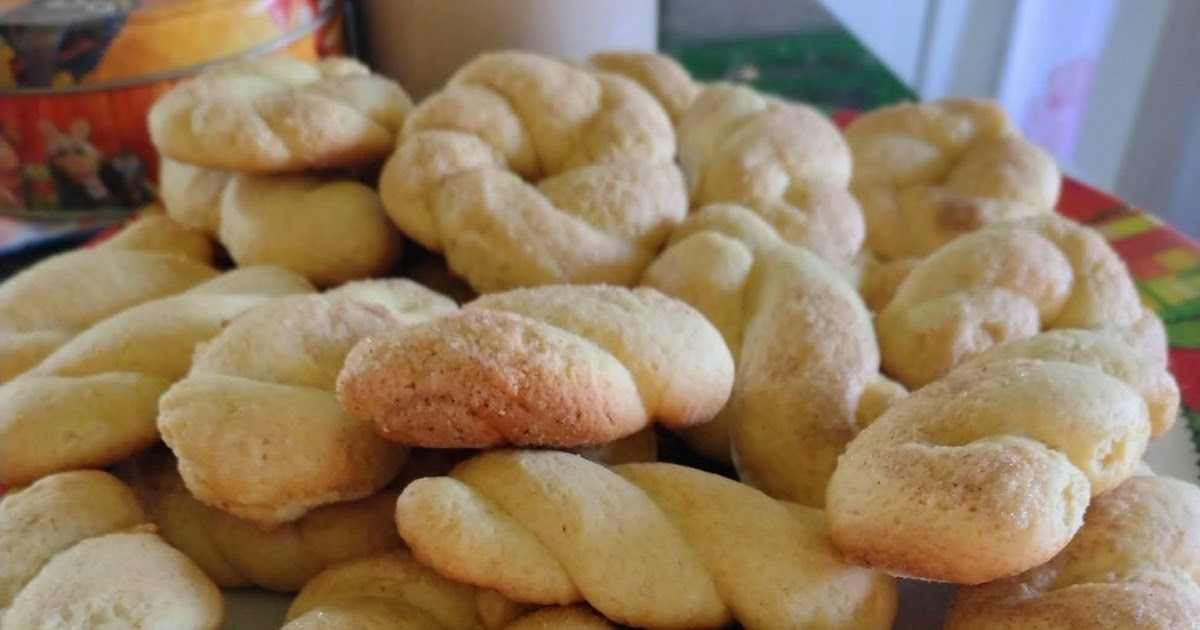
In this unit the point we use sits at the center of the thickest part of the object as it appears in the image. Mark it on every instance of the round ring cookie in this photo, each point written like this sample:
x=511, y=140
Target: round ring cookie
x=525, y=170
x=277, y=114
x=94, y=400
x=801, y=338
x=646, y=545
x=928, y=172
x=1133, y=564
x=255, y=425
x=1005, y=281
x=785, y=161
x=556, y=366
x=987, y=472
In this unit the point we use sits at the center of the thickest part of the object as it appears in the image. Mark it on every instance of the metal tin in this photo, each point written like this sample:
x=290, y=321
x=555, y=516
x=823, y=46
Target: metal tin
x=78, y=76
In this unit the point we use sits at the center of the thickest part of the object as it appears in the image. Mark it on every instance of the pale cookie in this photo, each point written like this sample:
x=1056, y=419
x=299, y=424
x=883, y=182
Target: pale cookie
x=94, y=400
x=553, y=366
x=255, y=424
x=987, y=472
x=928, y=172
x=525, y=170
x=646, y=545
x=1133, y=564
x=662, y=76
x=276, y=114
x=785, y=161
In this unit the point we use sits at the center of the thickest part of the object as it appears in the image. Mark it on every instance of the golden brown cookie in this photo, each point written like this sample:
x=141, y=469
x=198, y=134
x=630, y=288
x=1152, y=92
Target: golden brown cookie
x=800, y=335
x=255, y=424
x=1133, y=564
x=94, y=400
x=647, y=545
x=785, y=161
x=556, y=366
x=277, y=114
x=987, y=472
x=928, y=172
x=44, y=306
x=526, y=170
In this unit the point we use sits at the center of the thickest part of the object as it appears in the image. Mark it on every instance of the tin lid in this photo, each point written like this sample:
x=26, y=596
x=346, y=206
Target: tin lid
x=65, y=43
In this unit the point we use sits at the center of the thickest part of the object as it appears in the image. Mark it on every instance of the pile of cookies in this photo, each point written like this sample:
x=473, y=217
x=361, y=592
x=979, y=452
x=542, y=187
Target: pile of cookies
x=864, y=356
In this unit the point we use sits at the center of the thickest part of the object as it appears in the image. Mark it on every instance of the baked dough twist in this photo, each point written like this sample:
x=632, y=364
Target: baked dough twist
x=1135, y=563
x=237, y=553
x=785, y=161
x=986, y=472
x=392, y=590
x=73, y=558
x=802, y=340
x=647, y=545
x=327, y=229
x=557, y=366
x=277, y=114
x=94, y=400
x=45, y=305
x=598, y=147
x=1006, y=281
x=255, y=424
x=663, y=77
x=928, y=172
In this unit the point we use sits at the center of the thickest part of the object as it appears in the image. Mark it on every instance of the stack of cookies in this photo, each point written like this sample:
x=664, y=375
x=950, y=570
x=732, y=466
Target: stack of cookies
x=902, y=363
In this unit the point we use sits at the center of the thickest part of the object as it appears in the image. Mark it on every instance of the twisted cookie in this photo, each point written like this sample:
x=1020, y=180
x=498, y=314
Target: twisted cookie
x=599, y=148
x=987, y=472
x=550, y=366
x=277, y=114
x=73, y=558
x=393, y=591
x=662, y=76
x=1135, y=563
x=802, y=340
x=926, y=173
x=783, y=160
x=93, y=401
x=236, y=553
x=647, y=545
x=47, y=304
x=1007, y=281
x=255, y=424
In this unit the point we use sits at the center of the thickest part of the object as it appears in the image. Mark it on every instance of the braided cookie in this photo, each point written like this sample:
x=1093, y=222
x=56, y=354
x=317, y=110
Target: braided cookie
x=65, y=562
x=94, y=400
x=1107, y=352
x=277, y=114
x=801, y=338
x=783, y=160
x=255, y=424
x=47, y=304
x=236, y=553
x=327, y=230
x=662, y=76
x=647, y=545
x=1007, y=281
x=553, y=366
x=987, y=472
x=392, y=590
x=926, y=173
x=526, y=170
x=1135, y=563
